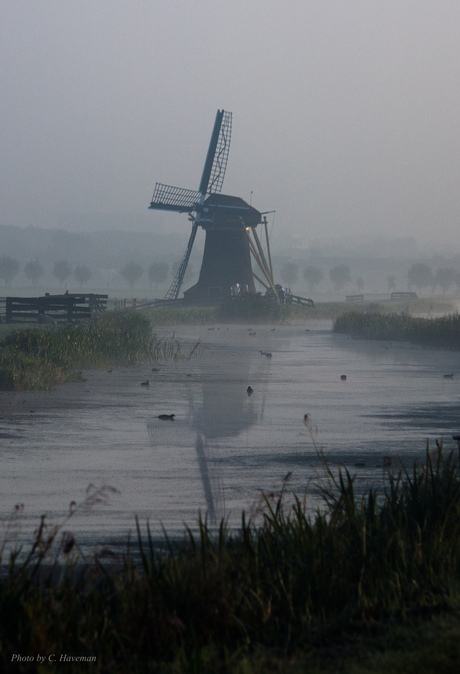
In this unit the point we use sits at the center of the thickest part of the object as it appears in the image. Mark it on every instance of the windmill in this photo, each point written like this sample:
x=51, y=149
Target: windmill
x=230, y=225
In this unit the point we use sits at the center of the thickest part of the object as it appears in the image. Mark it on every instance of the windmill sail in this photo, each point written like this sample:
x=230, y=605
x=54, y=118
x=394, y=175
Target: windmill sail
x=217, y=157
x=174, y=289
x=168, y=198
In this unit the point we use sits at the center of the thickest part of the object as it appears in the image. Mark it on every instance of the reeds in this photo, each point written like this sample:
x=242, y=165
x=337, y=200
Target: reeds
x=38, y=359
x=436, y=332
x=294, y=582
x=183, y=316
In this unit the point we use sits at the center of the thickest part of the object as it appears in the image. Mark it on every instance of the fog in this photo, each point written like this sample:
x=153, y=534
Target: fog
x=345, y=114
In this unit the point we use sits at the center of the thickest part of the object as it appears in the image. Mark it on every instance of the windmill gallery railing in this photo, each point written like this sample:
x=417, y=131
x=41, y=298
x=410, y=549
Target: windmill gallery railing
x=51, y=308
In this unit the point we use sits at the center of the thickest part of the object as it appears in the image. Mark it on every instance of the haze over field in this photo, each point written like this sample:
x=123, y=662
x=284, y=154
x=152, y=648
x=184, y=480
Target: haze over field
x=345, y=114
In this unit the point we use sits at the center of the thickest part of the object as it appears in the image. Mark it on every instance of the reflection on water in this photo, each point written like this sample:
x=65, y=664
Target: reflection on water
x=219, y=408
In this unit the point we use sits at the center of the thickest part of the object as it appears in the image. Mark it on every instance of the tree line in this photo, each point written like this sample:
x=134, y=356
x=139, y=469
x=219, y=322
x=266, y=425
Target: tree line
x=419, y=276
x=62, y=270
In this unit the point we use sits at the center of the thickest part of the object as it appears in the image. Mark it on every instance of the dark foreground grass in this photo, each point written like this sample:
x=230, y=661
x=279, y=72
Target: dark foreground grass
x=366, y=584
x=441, y=332
x=38, y=359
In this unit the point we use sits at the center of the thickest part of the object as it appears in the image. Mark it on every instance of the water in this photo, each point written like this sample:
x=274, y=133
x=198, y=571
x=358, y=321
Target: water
x=224, y=447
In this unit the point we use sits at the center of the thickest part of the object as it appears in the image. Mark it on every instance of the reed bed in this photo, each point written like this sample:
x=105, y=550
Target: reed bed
x=38, y=359
x=441, y=332
x=295, y=587
x=183, y=316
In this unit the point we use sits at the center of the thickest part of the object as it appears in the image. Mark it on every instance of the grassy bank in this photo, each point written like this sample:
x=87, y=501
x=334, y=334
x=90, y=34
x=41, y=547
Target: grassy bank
x=40, y=358
x=260, y=310
x=443, y=332
x=355, y=588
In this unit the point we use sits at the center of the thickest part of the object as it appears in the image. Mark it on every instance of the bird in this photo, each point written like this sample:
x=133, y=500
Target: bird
x=155, y=369
x=145, y=383
x=166, y=417
x=343, y=377
x=449, y=376
x=250, y=390
x=268, y=354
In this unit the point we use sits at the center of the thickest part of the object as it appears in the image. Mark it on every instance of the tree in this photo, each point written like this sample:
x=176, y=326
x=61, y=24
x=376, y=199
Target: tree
x=131, y=272
x=340, y=276
x=83, y=274
x=34, y=270
x=158, y=272
x=62, y=270
x=419, y=275
x=9, y=268
x=290, y=273
x=444, y=278
x=391, y=278
x=313, y=276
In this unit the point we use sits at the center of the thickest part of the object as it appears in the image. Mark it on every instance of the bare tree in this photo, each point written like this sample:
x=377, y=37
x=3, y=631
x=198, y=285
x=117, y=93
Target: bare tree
x=62, y=270
x=419, y=275
x=34, y=271
x=83, y=274
x=313, y=276
x=131, y=272
x=158, y=272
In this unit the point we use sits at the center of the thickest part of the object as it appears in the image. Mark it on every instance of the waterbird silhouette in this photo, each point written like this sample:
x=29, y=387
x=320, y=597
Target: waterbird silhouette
x=343, y=377
x=145, y=383
x=166, y=417
x=250, y=390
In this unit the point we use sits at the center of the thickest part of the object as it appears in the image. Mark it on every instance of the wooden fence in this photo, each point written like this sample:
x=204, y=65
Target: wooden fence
x=51, y=308
x=134, y=303
x=404, y=296
x=375, y=297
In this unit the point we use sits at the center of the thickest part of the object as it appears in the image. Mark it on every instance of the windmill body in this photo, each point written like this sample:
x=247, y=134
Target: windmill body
x=226, y=266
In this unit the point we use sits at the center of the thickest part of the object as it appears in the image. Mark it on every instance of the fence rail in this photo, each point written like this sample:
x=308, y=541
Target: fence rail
x=404, y=296
x=51, y=308
x=375, y=297
x=139, y=304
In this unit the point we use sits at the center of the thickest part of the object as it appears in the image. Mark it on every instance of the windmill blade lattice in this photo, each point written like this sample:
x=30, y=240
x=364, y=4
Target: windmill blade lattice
x=169, y=198
x=222, y=149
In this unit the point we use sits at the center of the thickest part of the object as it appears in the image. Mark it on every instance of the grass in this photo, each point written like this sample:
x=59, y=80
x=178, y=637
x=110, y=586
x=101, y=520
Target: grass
x=260, y=310
x=33, y=359
x=353, y=588
x=434, y=332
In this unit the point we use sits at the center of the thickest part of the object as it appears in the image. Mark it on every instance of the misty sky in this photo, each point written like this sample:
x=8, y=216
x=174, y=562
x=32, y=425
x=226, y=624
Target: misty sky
x=345, y=112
